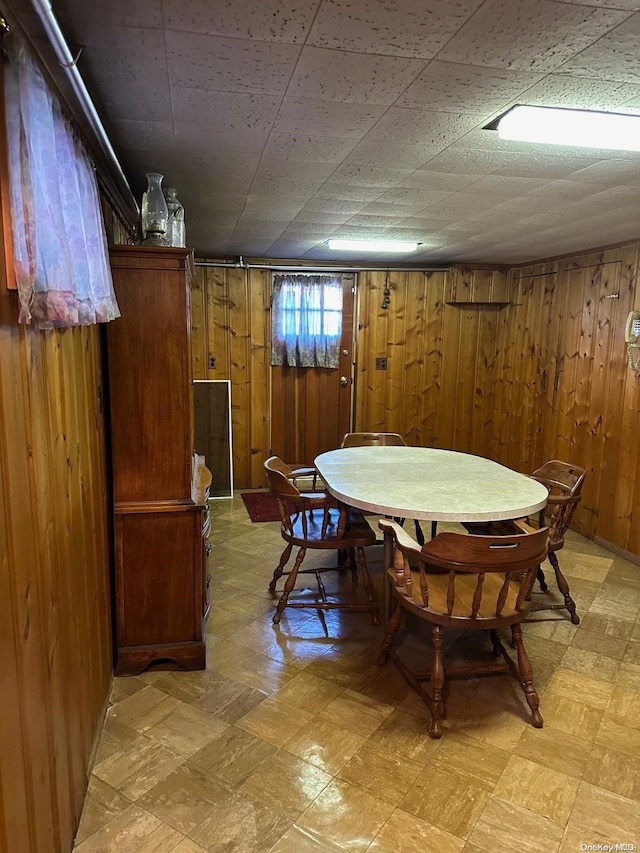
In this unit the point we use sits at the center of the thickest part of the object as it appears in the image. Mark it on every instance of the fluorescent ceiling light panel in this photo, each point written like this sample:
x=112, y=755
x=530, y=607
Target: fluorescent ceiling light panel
x=583, y=128
x=372, y=246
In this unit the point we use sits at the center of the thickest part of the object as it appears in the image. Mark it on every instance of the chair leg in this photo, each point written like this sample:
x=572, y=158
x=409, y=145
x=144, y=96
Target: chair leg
x=392, y=629
x=284, y=559
x=526, y=676
x=563, y=586
x=541, y=579
x=419, y=533
x=367, y=585
x=437, y=682
x=289, y=585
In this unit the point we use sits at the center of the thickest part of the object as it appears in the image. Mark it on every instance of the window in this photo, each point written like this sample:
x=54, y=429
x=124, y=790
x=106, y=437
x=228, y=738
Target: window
x=306, y=320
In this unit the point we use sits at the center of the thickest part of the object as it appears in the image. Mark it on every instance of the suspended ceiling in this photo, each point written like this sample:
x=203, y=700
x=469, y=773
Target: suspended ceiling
x=283, y=123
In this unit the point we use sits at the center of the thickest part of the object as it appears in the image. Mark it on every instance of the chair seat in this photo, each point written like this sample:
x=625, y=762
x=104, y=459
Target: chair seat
x=322, y=530
x=465, y=588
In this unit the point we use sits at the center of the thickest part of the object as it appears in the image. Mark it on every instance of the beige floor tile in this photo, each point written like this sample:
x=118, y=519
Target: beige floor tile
x=556, y=749
x=190, y=686
x=257, y=671
x=616, y=600
x=102, y=803
x=600, y=644
x=137, y=769
x=325, y=745
x=590, y=663
x=488, y=723
x=187, y=729
x=274, y=721
x=347, y=816
x=555, y=628
x=615, y=771
x=406, y=734
x=233, y=756
x=308, y=692
x=240, y=824
x=357, y=712
x=570, y=716
x=448, y=801
x=624, y=707
x=122, y=688
x=592, y=567
x=297, y=840
x=615, y=735
x=597, y=812
x=479, y=763
x=144, y=709
x=230, y=700
x=286, y=783
x=574, y=839
x=404, y=833
x=132, y=831
x=115, y=737
x=188, y=846
x=381, y=773
x=629, y=676
x=581, y=687
x=539, y=789
x=609, y=626
x=185, y=798
x=504, y=827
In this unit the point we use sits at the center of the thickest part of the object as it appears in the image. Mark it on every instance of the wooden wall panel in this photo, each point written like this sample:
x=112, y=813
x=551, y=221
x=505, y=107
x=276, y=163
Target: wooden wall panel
x=544, y=376
x=56, y=629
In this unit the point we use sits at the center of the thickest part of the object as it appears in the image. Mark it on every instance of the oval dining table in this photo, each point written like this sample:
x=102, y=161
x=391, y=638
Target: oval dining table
x=427, y=483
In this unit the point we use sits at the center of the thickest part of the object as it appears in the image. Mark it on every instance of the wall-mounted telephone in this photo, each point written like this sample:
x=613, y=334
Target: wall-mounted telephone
x=632, y=337
x=632, y=330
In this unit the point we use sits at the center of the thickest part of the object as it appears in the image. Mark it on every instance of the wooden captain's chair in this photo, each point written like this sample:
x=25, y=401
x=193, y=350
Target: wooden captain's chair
x=383, y=439
x=564, y=482
x=474, y=583
x=314, y=520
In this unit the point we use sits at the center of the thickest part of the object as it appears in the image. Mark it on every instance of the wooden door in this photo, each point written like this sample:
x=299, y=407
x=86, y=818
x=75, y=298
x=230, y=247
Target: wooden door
x=311, y=406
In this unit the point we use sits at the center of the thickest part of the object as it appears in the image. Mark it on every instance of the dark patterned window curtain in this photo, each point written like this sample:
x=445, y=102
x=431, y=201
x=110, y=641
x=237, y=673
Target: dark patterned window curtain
x=306, y=320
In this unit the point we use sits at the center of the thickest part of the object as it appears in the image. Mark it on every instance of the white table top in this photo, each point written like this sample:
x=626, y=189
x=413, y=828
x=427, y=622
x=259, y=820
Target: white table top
x=427, y=483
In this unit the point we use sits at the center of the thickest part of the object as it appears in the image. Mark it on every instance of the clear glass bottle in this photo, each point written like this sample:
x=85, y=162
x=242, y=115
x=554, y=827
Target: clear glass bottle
x=176, y=234
x=155, y=213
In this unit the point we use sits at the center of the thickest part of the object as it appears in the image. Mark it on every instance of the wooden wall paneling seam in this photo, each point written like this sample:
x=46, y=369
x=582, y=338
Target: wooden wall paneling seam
x=35, y=730
x=16, y=802
x=607, y=282
x=260, y=369
x=60, y=415
x=199, y=325
x=239, y=330
x=413, y=380
x=399, y=347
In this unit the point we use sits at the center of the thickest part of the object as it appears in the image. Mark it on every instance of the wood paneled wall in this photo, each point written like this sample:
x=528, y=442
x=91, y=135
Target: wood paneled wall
x=55, y=623
x=541, y=376
x=56, y=656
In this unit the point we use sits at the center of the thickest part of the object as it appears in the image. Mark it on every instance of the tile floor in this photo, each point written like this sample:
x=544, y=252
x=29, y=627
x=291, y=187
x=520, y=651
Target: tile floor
x=294, y=741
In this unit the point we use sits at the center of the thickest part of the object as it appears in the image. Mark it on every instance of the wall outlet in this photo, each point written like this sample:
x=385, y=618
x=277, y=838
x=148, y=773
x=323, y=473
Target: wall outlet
x=212, y=362
x=381, y=363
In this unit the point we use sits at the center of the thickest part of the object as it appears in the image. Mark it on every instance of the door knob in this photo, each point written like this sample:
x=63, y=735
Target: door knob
x=344, y=381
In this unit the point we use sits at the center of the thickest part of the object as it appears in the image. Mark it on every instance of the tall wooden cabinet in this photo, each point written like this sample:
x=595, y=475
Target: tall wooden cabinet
x=160, y=487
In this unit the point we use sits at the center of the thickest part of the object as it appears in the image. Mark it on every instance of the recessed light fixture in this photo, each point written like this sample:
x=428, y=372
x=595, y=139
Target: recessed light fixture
x=372, y=246
x=559, y=126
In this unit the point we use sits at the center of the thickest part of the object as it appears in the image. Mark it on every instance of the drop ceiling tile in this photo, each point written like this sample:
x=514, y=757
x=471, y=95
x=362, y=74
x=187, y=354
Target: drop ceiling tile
x=562, y=192
x=613, y=57
x=336, y=207
x=462, y=161
x=348, y=192
x=443, y=181
x=80, y=17
x=202, y=142
x=136, y=135
x=529, y=35
x=268, y=20
x=422, y=127
x=449, y=87
x=229, y=65
x=401, y=28
x=278, y=187
x=334, y=75
x=506, y=185
x=366, y=221
x=607, y=171
x=133, y=80
x=407, y=197
x=294, y=169
x=393, y=155
x=541, y=166
x=627, y=5
x=244, y=113
x=318, y=218
x=305, y=148
x=279, y=209
x=327, y=118
x=369, y=176
x=580, y=93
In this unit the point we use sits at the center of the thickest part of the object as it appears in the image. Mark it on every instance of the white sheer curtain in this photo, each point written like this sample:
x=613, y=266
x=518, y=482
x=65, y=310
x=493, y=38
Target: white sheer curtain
x=61, y=262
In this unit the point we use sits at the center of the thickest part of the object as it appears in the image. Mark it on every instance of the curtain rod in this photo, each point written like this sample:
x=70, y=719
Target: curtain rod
x=68, y=62
x=242, y=264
